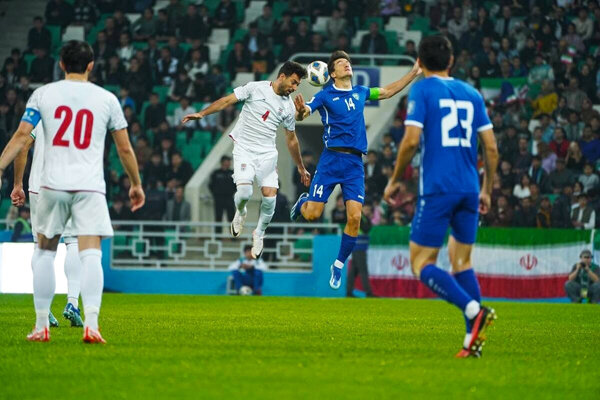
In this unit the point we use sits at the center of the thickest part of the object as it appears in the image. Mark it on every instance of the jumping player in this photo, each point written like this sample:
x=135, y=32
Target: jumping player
x=75, y=115
x=266, y=106
x=341, y=106
x=446, y=117
x=72, y=262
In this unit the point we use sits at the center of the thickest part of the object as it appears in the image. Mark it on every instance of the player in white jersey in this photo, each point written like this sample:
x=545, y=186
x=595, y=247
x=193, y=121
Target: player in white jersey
x=75, y=115
x=266, y=106
x=72, y=262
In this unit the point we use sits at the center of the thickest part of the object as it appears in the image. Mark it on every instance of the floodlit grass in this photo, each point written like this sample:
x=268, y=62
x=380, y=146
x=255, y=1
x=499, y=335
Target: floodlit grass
x=200, y=347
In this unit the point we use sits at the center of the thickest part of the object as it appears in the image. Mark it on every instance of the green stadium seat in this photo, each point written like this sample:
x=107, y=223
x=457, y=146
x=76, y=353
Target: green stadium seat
x=4, y=207
x=277, y=50
x=56, y=34
x=197, y=106
x=140, y=45
x=28, y=60
x=211, y=5
x=181, y=139
x=171, y=107
x=239, y=35
x=368, y=22
x=145, y=105
x=193, y=153
x=278, y=8
x=391, y=38
x=299, y=18
x=162, y=92
x=113, y=89
x=421, y=24
x=240, y=9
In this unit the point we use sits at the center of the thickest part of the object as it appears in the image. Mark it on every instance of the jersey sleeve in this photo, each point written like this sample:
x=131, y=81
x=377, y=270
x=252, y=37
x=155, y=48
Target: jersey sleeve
x=316, y=102
x=117, y=119
x=481, y=120
x=32, y=109
x=415, y=111
x=243, y=93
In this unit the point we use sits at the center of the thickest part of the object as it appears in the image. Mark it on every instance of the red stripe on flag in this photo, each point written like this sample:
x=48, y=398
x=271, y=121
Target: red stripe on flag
x=541, y=287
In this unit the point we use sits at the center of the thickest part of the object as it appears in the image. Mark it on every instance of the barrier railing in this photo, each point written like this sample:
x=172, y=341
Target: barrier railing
x=209, y=245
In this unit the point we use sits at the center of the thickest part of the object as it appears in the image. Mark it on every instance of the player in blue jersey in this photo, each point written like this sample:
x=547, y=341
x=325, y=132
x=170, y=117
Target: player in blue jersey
x=446, y=117
x=341, y=106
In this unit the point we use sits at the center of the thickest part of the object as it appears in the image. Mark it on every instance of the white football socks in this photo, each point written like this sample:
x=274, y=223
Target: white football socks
x=42, y=264
x=467, y=340
x=338, y=264
x=73, y=272
x=241, y=197
x=92, y=283
x=472, y=309
x=267, y=209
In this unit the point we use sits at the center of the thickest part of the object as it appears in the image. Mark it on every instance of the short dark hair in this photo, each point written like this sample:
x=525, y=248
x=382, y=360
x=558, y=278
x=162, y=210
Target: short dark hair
x=247, y=247
x=292, y=67
x=336, y=55
x=76, y=55
x=435, y=52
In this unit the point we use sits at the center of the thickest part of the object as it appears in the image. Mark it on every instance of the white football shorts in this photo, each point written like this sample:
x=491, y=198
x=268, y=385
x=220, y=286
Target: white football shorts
x=248, y=165
x=87, y=212
x=68, y=236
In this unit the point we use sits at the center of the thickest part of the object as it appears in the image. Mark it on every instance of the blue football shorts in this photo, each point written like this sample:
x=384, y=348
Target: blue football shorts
x=335, y=168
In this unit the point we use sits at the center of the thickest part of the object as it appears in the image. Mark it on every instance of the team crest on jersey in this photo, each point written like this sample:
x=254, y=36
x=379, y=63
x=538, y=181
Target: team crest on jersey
x=411, y=107
x=280, y=111
x=355, y=95
x=243, y=167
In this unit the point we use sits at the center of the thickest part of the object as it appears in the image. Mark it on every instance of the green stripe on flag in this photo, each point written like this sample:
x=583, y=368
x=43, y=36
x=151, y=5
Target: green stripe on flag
x=514, y=237
x=497, y=82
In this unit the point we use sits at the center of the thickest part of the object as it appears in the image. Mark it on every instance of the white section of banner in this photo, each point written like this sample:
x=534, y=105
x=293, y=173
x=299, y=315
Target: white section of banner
x=15, y=268
x=394, y=262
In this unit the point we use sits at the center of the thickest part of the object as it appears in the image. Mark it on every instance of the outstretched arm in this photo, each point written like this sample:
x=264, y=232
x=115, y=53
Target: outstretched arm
x=294, y=148
x=408, y=147
x=395, y=87
x=216, y=106
x=302, y=111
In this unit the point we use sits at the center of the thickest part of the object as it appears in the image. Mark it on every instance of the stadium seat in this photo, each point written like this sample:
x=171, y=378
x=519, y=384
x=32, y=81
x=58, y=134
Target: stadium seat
x=28, y=57
x=242, y=78
x=73, y=33
x=214, y=52
x=171, y=107
x=4, y=207
x=320, y=24
x=239, y=34
x=278, y=8
x=143, y=111
x=219, y=36
x=198, y=105
x=368, y=22
x=113, y=89
x=162, y=92
x=211, y=5
x=391, y=38
x=398, y=24
x=415, y=36
x=181, y=139
x=253, y=11
x=299, y=18
x=140, y=45
x=358, y=37
x=240, y=9
x=421, y=24
x=55, y=32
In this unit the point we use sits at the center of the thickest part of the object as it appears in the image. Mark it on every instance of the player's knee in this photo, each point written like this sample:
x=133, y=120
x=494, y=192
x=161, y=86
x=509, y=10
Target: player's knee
x=244, y=192
x=353, y=219
x=311, y=212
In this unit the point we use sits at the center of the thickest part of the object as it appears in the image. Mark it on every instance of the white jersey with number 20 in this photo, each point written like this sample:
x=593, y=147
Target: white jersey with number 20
x=75, y=116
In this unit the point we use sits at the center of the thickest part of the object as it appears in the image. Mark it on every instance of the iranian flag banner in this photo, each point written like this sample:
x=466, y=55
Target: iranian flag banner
x=502, y=90
x=509, y=263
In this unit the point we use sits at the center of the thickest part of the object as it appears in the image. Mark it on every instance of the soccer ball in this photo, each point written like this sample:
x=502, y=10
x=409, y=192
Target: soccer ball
x=245, y=291
x=317, y=73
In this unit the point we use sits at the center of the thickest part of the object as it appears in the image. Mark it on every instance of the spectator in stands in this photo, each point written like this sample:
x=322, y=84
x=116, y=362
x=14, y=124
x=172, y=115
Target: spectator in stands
x=584, y=280
x=548, y=157
x=178, y=209
x=41, y=67
x=266, y=22
x=397, y=130
x=138, y=83
x=316, y=44
x=122, y=23
x=181, y=87
x=583, y=215
x=589, y=179
x=526, y=215
x=560, y=177
x=146, y=26
x=590, y=145
x=142, y=150
x=587, y=112
x=119, y=212
x=163, y=28
x=546, y=101
x=521, y=189
x=20, y=66
x=544, y=214
x=197, y=64
x=574, y=127
x=284, y=28
x=22, y=226
x=184, y=109
x=176, y=51
x=112, y=33
x=538, y=175
x=180, y=169
x=540, y=71
x=501, y=215
x=59, y=12
x=584, y=25
x=471, y=38
x=23, y=88
x=559, y=145
x=506, y=25
x=85, y=14
x=114, y=71
x=10, y=74
x=474, y=78
x=373, y=42
x=309, y=163
x=39, y=36
x=135, y=132
x=335, y=26
x=202, y=89
x=155, y=169
x=303, y=35
x=124, y=99
x=290, y=47
x=163, y=131
x=225, y=15
x=238, y=60
x=440, y=12
x=263, y=61
x=535, y=197
x=125, y=50
x=192, y=26
x=404, y=201
x=223, y=188
x=247, y=273
x=458, y=25
x=217, y=80
x=102, y=50
x=338, y=214
x=155, y=112
x=523, y=157
x=575, y=160
x=166, y=67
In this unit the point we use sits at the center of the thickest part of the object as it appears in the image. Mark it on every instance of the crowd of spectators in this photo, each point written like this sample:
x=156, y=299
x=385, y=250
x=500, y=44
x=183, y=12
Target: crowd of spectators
x=547, y=129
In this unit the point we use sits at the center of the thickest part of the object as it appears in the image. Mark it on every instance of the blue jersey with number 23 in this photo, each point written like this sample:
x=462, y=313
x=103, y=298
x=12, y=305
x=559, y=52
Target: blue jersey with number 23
x=451, y=114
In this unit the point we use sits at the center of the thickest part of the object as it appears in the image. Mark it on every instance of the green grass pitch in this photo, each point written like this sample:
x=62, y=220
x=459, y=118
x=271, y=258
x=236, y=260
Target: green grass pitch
x=200, y=347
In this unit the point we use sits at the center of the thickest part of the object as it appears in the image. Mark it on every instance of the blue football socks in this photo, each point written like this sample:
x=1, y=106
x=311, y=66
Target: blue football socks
x=346, y=248
x=445, y=286
x=468, y=281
